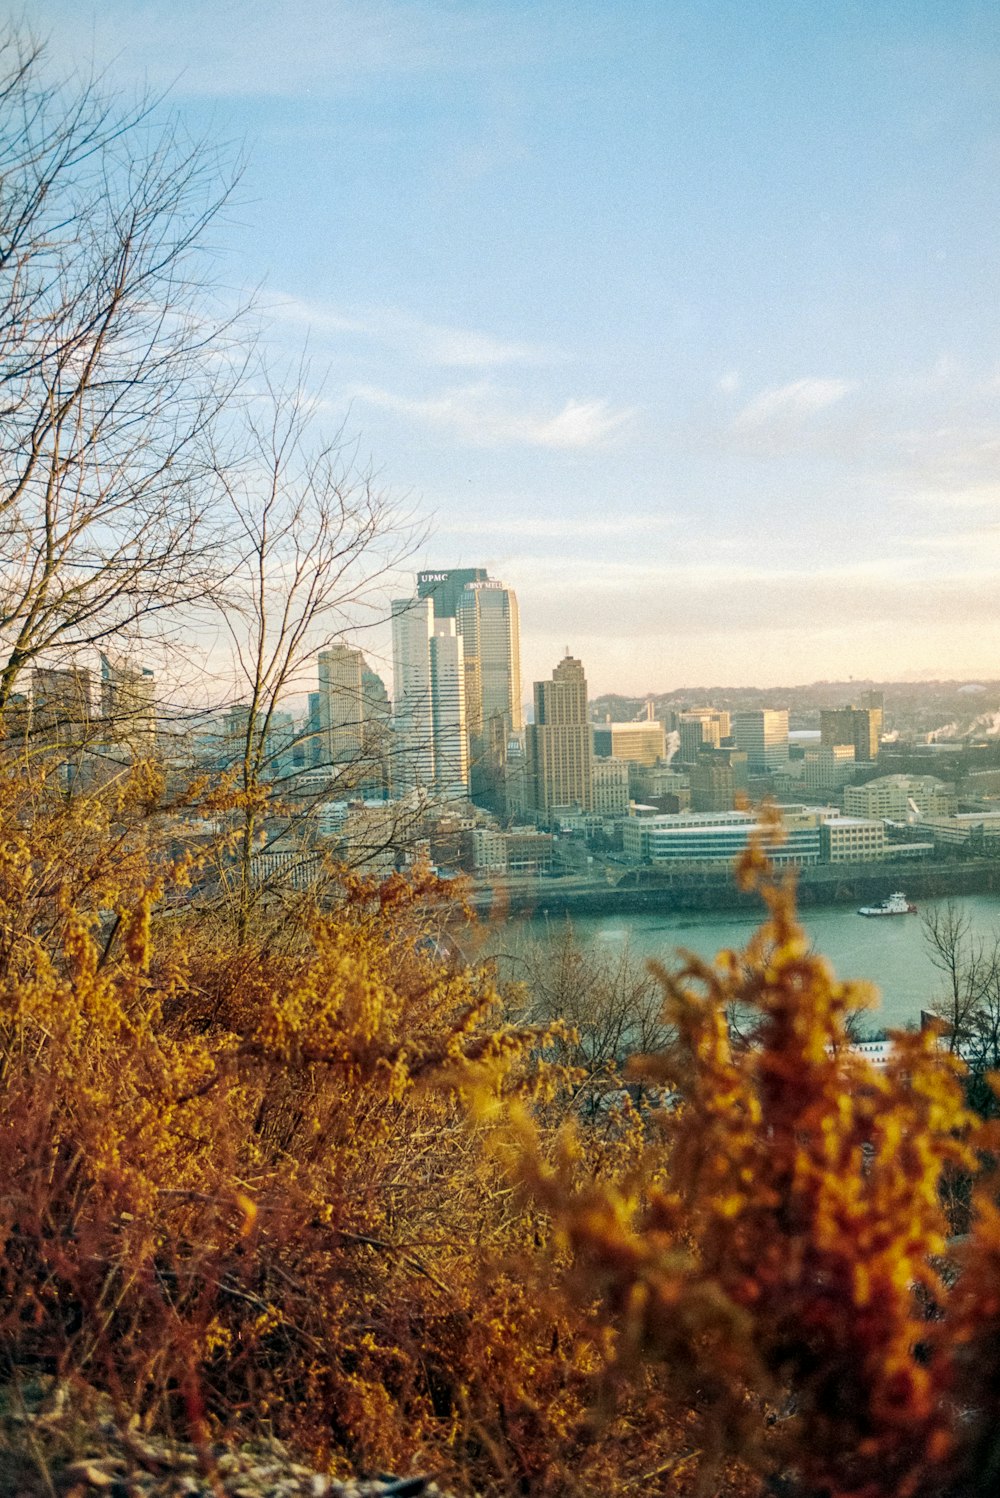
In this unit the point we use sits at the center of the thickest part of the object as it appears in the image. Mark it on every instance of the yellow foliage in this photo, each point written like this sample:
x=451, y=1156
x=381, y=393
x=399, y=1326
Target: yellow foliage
x=317, y=1186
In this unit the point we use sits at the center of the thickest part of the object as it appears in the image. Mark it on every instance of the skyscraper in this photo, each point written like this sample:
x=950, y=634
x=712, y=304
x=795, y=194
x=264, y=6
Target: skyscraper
x=350, y=725
x=413, y=720
x=62, y=703
x=445, y=588
x=430, y=746
x=559, y=742
x=698, y=727
x=451, y=743
x=487, y=619
x=341, y=705
x=128, y=708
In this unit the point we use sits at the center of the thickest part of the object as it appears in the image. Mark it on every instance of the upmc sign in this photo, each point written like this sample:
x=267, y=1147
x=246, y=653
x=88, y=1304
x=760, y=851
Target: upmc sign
x=431, y=577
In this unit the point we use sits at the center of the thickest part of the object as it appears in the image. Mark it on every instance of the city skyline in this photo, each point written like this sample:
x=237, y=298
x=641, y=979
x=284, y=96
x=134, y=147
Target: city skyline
x=682, y=318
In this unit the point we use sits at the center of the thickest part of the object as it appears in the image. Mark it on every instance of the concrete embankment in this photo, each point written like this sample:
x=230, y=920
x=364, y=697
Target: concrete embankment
x=655, y=890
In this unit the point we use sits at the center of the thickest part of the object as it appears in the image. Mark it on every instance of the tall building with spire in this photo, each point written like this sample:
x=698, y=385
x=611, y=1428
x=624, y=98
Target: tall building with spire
x=559, y=743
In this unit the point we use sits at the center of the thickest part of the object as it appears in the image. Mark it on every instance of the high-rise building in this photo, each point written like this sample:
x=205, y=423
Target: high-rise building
x=700, y=727
x=559, y=742
x=610, y=787
x=341, y=704
x=763, y=733
x=860, y=726
x=487, y=619
x=349, y=724
x=62, y=703
x=413, y=714
x=445, y=588
x=827, y=768
x=718, y=778
x=451, y=743
x=430, y=748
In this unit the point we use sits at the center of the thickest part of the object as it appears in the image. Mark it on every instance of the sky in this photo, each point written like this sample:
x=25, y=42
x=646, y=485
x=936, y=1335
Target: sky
x=682, y=316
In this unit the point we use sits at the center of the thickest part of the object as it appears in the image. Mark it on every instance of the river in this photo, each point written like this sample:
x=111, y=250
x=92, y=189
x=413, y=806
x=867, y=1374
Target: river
x=891, y=952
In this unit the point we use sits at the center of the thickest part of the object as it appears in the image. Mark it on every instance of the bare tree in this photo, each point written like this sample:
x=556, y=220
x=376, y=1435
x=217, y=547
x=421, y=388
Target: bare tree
x=970, y=1006
x=612, y=1001
x=970, y=965
x=312, y=541
x=112, y=374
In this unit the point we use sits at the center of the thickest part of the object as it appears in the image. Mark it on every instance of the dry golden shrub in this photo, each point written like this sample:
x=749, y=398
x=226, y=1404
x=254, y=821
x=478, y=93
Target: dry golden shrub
x=311, y=1184
x=241, y=1190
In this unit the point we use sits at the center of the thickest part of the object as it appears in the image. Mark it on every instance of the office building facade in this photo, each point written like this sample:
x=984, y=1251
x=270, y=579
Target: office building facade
x=642, y=743
x=698, y=728
x=486, y=616
x=716, y=838
x=718, y=778
x=859, y=726
x=763, y=733
x=430, y=747
x=610, y=779
x=341, y=705
x=559, y=744
x=451, y=743
x=413, y=712
x=445, y=588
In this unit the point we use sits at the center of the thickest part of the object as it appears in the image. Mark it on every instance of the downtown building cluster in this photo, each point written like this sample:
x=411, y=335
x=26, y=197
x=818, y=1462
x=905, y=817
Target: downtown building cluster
x=448, y=770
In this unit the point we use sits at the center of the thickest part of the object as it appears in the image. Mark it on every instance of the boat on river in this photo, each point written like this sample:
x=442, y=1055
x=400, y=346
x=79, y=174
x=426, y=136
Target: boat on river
x=896, y=904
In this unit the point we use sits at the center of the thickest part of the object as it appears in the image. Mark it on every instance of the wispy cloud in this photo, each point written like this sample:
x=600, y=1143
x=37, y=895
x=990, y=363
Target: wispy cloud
x=483, y=416
x=422, y=341
x=793, y=402
x=561, y=529
x=324, y=46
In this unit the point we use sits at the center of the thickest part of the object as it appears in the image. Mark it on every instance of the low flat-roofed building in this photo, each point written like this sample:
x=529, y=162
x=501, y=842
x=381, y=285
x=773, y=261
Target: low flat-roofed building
x=528, y=851
x=852, y=839
x=716, y=838
x=973, y=829
x=900, y=796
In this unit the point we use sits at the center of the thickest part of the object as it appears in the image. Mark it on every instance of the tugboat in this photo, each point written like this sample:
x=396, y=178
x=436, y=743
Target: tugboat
x=896, y=904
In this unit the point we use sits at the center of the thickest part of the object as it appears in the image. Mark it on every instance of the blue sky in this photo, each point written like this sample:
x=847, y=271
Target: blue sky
x=681, y=315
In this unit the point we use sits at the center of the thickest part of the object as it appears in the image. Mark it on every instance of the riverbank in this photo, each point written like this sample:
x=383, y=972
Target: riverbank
x=649, y=890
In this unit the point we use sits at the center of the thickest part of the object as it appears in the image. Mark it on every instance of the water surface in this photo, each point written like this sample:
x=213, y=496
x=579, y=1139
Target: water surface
x=890, y=952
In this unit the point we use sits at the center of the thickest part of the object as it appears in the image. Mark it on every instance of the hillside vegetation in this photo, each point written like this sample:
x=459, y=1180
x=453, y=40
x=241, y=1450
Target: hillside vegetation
x=307, y=1182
